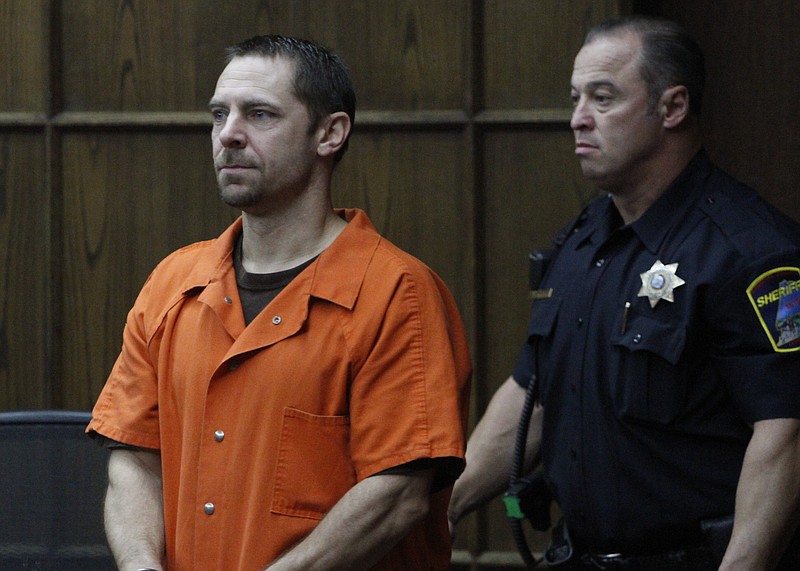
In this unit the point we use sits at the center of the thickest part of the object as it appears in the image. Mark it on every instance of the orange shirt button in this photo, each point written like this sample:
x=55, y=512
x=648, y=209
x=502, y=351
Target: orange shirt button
x=209, y=508
x=219, y=436
x=276, y=320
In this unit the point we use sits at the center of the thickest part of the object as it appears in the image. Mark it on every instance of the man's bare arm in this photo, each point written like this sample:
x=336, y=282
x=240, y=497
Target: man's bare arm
x=490, y=450
x=767, y=498
x=134, y=509
x=364, y=525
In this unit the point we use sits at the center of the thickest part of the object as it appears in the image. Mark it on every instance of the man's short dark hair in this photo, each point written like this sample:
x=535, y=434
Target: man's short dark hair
x=321, y=79
x=670, y=56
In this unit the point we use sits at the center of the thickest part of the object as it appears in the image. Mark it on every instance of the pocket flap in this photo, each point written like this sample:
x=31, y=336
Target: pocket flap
x=543, y=316
x=646, y=334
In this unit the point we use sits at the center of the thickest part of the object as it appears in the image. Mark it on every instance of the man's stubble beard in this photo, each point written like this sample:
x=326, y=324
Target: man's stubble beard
x=240, y=194
x=245, y=194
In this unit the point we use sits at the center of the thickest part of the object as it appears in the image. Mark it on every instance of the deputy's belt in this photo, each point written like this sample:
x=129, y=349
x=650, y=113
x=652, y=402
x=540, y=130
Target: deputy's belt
x=695, y=558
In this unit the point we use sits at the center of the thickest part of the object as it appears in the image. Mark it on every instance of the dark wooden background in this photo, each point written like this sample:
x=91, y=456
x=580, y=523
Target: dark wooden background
x=461, y=154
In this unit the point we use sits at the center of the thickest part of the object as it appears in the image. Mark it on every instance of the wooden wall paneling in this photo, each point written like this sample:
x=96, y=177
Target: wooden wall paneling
x=25, y=317
x=155, y=56
x=404, y=54
x=25, y=209
x=130, y=198
x=24, y=69
x=410, y=184
x=134, y=56
x=530, y=47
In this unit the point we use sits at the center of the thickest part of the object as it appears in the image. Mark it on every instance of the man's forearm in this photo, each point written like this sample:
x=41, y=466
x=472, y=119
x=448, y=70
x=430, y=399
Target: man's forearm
x=134, y=512
x=767, y=497
x=490, y=450
x=364, y=525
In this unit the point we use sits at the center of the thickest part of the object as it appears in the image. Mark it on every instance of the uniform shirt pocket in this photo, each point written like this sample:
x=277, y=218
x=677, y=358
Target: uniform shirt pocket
x=544, y=314
x=649, y=382
x=313, y=467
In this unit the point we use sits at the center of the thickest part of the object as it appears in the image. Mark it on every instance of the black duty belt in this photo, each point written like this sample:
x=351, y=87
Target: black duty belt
x=697, y=558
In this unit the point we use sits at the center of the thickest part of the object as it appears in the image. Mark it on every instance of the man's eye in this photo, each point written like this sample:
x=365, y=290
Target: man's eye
x=218, y=116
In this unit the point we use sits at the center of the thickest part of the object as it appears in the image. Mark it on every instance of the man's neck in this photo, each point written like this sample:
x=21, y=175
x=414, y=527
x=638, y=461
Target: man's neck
x=634, y=199
x=273, y=243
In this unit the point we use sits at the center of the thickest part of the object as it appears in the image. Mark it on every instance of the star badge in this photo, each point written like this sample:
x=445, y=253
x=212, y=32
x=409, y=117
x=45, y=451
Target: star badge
x=659, y=281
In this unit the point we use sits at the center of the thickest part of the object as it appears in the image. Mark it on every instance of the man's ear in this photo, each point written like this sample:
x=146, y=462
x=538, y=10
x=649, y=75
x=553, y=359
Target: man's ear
x=333, y=132
x=674, y=106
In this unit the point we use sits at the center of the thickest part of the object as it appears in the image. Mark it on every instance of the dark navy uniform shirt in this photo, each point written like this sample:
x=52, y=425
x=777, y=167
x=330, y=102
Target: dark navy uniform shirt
x=648, y=410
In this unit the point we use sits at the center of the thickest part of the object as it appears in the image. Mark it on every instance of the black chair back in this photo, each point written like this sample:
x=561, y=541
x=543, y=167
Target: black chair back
x=52, y=483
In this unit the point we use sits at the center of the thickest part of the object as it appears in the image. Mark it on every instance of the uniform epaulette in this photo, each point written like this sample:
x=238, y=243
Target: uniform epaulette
x=753, y=227
x=573, y=226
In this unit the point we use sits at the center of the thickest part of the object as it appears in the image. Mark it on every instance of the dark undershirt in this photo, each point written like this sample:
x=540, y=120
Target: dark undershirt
x=257, y=290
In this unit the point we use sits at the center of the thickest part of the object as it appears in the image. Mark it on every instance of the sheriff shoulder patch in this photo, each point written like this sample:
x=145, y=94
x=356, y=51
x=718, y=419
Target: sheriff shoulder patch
x=775, y=296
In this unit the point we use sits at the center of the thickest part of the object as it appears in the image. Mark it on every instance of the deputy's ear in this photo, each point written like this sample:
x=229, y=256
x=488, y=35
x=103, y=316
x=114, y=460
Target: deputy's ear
x=674, y=106
x=333, y=132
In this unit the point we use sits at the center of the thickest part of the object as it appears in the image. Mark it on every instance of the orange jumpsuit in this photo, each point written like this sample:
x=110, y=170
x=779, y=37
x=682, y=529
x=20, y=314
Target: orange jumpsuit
x=359, y=365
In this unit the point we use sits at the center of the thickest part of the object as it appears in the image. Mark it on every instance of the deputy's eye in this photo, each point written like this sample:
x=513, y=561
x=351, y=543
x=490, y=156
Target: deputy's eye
x=602, y=98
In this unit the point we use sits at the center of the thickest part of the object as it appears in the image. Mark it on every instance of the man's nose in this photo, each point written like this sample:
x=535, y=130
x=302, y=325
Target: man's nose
x=232, y=134
x=581, y=116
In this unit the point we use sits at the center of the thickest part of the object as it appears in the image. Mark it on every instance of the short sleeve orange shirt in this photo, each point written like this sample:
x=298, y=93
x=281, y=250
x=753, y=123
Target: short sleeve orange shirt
x=359, y=365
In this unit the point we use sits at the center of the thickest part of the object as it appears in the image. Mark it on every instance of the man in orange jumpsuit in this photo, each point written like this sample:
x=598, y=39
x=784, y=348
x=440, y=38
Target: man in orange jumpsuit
x=293, y=394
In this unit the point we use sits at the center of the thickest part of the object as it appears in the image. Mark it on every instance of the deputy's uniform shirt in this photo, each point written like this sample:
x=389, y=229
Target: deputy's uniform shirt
x=660, y=344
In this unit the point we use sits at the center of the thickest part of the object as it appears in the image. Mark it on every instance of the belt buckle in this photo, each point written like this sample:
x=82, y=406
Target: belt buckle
x=606, y=560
